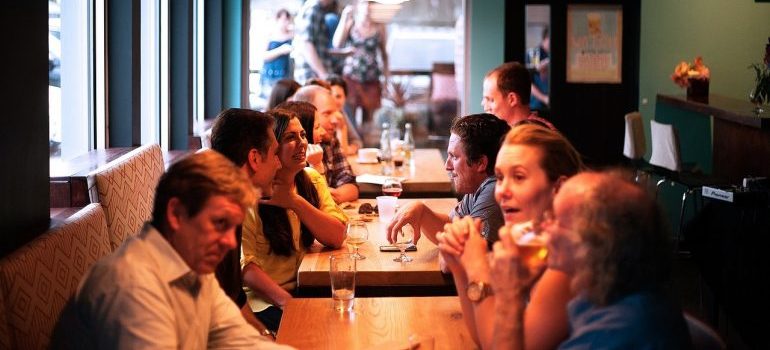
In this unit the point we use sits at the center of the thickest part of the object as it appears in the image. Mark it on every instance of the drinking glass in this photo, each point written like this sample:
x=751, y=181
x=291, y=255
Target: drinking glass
x=386, y=206
x=357, y=235
x=392, y=187
x=531, y=242
x=404, y=238
x=342, y=271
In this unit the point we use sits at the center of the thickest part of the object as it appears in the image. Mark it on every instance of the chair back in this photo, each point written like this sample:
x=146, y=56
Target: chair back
x=703, y=337
x=634, y=145
x=37, y=279
x=665, y=146
x=126, y=189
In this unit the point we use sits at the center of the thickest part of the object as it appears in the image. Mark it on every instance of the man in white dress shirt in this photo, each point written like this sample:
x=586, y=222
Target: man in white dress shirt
x=158, y=290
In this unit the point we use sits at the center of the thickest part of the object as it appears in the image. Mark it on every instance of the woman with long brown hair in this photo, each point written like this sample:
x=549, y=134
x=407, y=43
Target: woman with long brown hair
x=300, y=211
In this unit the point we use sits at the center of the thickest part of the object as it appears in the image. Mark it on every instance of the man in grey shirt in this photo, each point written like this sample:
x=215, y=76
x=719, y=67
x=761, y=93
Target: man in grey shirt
x=473, y=145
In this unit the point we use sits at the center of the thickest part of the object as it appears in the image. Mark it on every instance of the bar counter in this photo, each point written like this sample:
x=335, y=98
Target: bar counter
x=740, y=139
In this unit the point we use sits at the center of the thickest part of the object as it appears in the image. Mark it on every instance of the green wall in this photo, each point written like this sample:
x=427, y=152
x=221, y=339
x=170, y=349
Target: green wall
x=730, y=35
x=487, y=38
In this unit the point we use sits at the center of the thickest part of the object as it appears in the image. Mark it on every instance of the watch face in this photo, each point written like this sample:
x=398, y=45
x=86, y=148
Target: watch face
x=474, y=291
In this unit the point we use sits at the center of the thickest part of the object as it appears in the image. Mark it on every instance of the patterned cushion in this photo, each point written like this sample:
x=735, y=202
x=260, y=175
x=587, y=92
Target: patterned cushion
x=126, y=188
x=37, y=280
x=5, y=333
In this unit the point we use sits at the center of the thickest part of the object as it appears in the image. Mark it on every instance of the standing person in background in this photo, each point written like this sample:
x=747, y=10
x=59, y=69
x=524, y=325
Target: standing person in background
x=282, y=90
x=361, y=71
x=350, y=140
x=312, y=42
x=277, y=64
x=539, y=100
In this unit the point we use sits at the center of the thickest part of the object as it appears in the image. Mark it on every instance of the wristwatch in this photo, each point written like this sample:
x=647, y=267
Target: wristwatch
x=477, y=291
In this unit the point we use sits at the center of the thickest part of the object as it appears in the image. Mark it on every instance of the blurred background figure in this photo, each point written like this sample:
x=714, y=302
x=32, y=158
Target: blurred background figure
x=281, y=92
x=313, y=56
x=539, y=60
x=362, y=71
x=350, y=139
x=277, y=64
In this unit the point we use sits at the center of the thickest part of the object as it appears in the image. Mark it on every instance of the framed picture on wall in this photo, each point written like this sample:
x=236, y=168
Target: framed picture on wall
x=594, y=43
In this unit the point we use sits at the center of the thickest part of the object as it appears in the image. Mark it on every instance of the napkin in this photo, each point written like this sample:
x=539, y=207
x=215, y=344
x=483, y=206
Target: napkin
x=376, y=179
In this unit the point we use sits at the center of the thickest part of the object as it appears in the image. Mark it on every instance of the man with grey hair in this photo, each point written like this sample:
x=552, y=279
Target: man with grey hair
x=339, y=175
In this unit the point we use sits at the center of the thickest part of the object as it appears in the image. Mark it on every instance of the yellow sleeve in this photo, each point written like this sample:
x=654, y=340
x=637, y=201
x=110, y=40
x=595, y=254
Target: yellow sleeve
x=327, y=204
x=254, y=245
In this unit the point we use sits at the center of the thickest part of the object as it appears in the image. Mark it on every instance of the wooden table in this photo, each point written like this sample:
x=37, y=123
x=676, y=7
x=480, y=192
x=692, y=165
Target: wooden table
x=379, y=269
x=374, y=323
x=426, y=176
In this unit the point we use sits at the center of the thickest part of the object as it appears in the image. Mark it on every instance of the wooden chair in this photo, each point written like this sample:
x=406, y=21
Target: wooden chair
x=37, y=280
x=126, y=188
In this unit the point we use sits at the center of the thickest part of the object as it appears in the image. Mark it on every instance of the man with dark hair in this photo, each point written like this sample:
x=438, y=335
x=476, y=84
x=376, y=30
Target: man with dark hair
x=506, y=94
x=339, y=175
x=246, y=138
x=473, y=145
x=157, y=290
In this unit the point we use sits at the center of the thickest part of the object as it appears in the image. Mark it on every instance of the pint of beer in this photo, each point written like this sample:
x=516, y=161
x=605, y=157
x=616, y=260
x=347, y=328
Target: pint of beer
x=531, y=243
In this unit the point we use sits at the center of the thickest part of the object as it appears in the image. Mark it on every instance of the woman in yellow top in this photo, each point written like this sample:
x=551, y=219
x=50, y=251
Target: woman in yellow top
x=300, y=210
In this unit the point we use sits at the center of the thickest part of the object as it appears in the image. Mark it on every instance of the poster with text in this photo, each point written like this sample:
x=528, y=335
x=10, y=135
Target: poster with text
x=594, y=43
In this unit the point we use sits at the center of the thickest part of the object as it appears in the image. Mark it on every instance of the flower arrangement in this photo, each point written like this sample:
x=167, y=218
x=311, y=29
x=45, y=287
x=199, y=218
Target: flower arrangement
x=685, y=71
x=761, y=92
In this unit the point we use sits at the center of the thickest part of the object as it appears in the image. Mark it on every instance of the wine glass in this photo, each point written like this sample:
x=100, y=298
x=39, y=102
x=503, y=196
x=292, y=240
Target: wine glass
x=392, y=187
x=404, y=239
x=357, y=235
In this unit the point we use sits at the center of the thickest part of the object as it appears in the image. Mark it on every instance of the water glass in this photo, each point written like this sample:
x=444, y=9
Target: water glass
x=386, y=205
x=342, y=270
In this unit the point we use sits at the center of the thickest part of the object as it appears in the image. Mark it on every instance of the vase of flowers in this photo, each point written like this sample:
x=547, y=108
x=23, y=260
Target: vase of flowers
x=695, y=78
x=760, y=94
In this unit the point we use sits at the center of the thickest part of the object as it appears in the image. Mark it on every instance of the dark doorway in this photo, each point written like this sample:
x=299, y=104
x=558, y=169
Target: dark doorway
x=589, y=114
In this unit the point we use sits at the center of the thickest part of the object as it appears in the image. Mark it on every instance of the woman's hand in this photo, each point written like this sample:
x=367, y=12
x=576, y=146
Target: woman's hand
x=283, y=195
x=474, y=255
x=315, y=156
x=447, y=246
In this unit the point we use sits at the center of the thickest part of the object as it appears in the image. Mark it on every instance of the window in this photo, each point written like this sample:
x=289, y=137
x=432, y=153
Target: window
x=69, y=75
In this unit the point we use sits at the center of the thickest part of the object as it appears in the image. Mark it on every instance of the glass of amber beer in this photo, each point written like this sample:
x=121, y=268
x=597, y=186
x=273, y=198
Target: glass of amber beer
x=532, y=244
